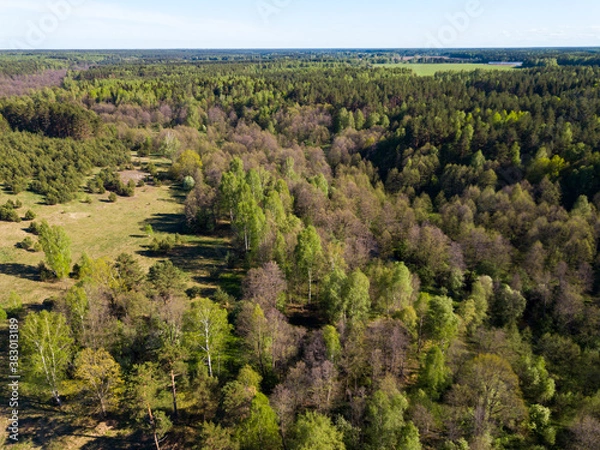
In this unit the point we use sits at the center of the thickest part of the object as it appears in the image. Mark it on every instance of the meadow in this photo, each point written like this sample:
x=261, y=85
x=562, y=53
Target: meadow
x=104, y=229
x=427, y=70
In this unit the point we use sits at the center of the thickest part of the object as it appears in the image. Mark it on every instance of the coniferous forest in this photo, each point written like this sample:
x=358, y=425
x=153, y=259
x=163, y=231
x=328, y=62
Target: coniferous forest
x=409, y=262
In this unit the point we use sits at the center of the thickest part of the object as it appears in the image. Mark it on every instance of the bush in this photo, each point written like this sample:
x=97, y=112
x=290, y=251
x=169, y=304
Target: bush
x=188, y=183
x=87, y=199
x=14, y=304
x=34, y=228
x=26, y=244
x=29, y=215
x=46, y=274
x=163, y=245
x=8, y=213
x=112, y=197
x=194, y=292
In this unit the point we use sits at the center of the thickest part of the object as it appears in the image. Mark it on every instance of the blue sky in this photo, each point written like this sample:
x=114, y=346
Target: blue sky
x=89, y=24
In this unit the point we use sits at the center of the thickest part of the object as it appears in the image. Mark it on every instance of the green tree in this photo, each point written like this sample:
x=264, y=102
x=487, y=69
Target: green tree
x=47, y=343
x=207, y=330
x=260, y=430
x=386, y=428
x=238, y=395
x=166, y=280
x=332, y=298
x=255, y=329
x=434, y=375
x=57, y=247
x=488, y=386
x=508, y=306
x=127, y=273
x=215, y=437
x=441, y=324
x=145, y=386
x=393, y=287
x=100, y=376
x=356, y=299
x=332, y=343
x=186, y=165
x=314, y=431
x=77, y=307
x=308, y=255
x=249, y=220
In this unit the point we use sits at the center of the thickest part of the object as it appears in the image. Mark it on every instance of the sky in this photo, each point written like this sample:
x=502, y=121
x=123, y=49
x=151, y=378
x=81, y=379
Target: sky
x=137, y=24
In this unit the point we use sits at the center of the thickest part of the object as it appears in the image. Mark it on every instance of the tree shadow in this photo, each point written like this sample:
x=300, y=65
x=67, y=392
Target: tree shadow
x=167, y=223
x=21, y=271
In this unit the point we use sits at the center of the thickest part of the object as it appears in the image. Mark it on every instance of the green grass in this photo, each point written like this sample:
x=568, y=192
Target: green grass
x=424, y=70
x=103, y=229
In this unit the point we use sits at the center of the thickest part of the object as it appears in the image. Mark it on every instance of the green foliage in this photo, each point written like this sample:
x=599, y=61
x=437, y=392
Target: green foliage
x=434, y=376
x=207, y=330
x=8, y=213
x=215, y=437
x=441, y=324
x=476, y=258
x=13, y=304
x=47, y=344
x=308, y=255
x=385, y=425
x=260, y=429
x=393, y=287
x=100, y=376
x=166, y=280
x=314, y=431
x=188, y=183
x=332, y=343
x=488, y=386
x=508, y=306
x=57, y=248
x=186, y=165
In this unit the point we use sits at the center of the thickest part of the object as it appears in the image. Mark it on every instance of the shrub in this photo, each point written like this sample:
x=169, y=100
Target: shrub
x=162, y=245
x=112, y=197
x=189, y=183
x=8, y=213
x=34, y=228
x=14, y=304
x=46, y=274
x=29, y=215
x=26, y=244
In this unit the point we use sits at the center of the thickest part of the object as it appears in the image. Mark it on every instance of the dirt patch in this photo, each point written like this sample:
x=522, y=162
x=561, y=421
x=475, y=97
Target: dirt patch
x=135, y=175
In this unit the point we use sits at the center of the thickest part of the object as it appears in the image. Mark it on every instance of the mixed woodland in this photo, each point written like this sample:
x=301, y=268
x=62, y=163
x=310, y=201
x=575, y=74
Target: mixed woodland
x=419, y=254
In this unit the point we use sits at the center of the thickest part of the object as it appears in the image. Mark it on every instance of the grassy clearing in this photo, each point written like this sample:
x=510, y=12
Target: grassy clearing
x=103, y=229
x=425, y=70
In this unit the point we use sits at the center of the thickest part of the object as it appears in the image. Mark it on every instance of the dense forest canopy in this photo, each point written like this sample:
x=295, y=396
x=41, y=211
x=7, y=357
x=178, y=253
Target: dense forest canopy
x=419, y=253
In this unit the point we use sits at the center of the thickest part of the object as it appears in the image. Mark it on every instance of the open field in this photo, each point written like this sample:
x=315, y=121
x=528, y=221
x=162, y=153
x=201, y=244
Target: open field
x=103, y=229
x=424, y=70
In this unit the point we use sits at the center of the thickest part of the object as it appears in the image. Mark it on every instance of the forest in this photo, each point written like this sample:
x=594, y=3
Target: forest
x=416, y=257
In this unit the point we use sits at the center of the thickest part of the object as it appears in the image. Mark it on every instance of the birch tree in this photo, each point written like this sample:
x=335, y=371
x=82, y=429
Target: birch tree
x=207, y=329
x=47, y=342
